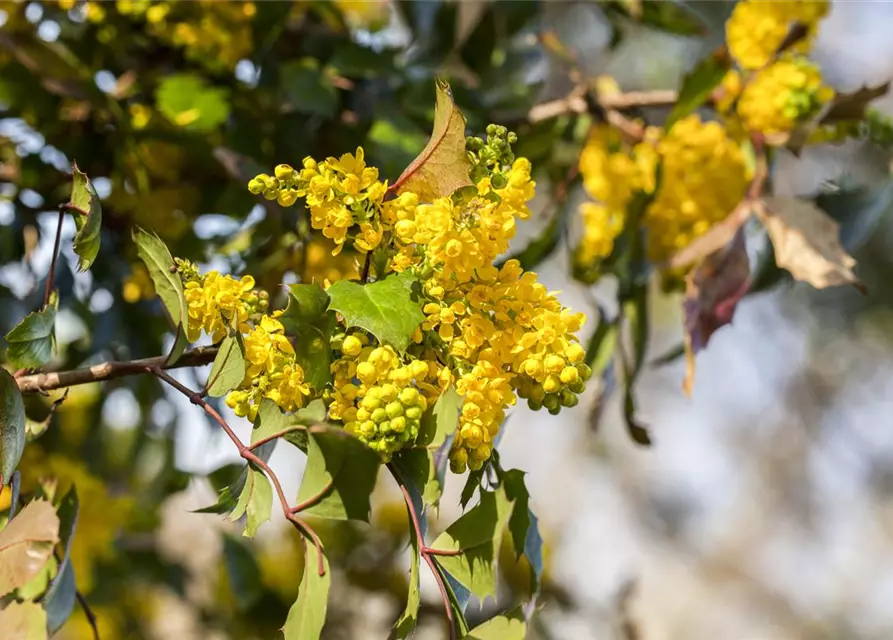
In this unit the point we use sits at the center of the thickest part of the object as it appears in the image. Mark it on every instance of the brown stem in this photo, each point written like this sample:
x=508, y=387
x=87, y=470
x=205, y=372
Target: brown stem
x=366, y=267
x=575, y=102
x=51, y=275
x=426, y=552
x=312, y=500
x=88, y=613
x=442, y=552
x=246, y=453
x=41, y=382
x=276, y=436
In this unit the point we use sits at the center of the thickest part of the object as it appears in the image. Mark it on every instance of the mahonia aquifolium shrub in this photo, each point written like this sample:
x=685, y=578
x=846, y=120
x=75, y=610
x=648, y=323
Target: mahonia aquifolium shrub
x=704, y=168
x=496, y=334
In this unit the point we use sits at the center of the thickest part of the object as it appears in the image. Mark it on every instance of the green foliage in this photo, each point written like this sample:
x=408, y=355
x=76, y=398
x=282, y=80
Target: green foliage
x=340, y=476
x=160, y=264
x=228, y=370
x=61, y=596
x=87, y=218
x=407, y=621
x=509, y=626
x=12, y=426
x=418, y=467
x=242, y=571
x=523, y=525
x=307, y=615
x=308, y=319
x=26, y=620
x=32, y=341
x=255, y=502
x=441, y=421
x=477, y=534
x=698, y=85
x=308, y=89
x=384, y=308
x=188, y=101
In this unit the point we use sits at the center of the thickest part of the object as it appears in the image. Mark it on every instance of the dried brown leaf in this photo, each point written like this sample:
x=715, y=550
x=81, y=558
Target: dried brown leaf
x=23, y=621
x=26, y=544
x=715, y=239
x=807, y=242
x=442, y=166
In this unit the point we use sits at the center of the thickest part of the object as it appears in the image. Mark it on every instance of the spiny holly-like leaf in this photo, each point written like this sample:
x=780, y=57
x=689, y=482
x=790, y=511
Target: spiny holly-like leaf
x=508, y=626
x=189, y=102
x=256, y=500
x=60, y=598
x=229, y=495
x=384, y=308
x=807, y=242
x=271, y=420
x=340, y=476
x=440, y=422
x=243, y=573
x=523, y=525
x=472, y=484
x=307, y=615
x=307, y=318
x=712, y=291
x=89, y=227
x=12, y=426
x=407, y=621
x=228, y=370
x=699, y=84
x=168, y=286
x=477, y=535
x=418, y=467
x=458, y=597
x=31, y=342
x=23, y=621
x=26, y=543
x=442, y=166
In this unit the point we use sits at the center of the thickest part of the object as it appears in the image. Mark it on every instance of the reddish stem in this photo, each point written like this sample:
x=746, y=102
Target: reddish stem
x=312, y=500
x=276, y=436
x=426, y=552
x=248, y=455
x=442, y=552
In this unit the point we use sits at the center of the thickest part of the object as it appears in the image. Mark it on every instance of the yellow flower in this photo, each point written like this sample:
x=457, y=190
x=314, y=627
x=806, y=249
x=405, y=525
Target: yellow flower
x=757, y=28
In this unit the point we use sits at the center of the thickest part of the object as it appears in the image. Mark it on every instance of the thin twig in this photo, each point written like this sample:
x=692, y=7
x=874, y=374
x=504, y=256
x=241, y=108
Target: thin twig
x=442, y=552
x=575, y=103
x=246, y=453
x=41, y=382
x=426, y=552
x=314, y=499
x=88, y=612
x=366, y=267
x=51, y=275
x=276, y=436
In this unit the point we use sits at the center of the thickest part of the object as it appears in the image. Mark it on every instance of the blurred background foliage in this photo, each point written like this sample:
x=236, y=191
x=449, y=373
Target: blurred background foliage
x=170, y=107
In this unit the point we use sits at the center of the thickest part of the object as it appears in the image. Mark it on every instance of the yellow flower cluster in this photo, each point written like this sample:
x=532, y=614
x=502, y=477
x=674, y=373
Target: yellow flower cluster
x=320, y=266
x=757, y=28
x=612, y=172
x=365, y=14
x=378, y=395
x=703, y=177
x=219, y=303
x=783, y=94
x=342, y=194
x=101, y=516
x=494, y=333
x=271, y=371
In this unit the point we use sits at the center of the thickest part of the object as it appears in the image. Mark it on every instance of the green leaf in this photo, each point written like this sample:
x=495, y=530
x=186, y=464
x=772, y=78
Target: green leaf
x=307, y=615
x=477, y=534
x=89, y=227
x=441, y=421
x=23, y=621
x=307, y=89
x=255, y=501
x=458, y=597
x=228, y=370
x=168, y=285
x=190, y=102
x=244, y=575
x=635, y=311
x=443, y=165
x=31, y=342
x=858, y=211
x=418, y=466
x=384, y=308
x=699, y=84
x=26, y=543
x=407, y=621
x=12, y=426
x=508, y=626
x=308, y=319
x=523, y=527
x=472, y=484
x=271, y=420
x=340, y=476
x=61, y=597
